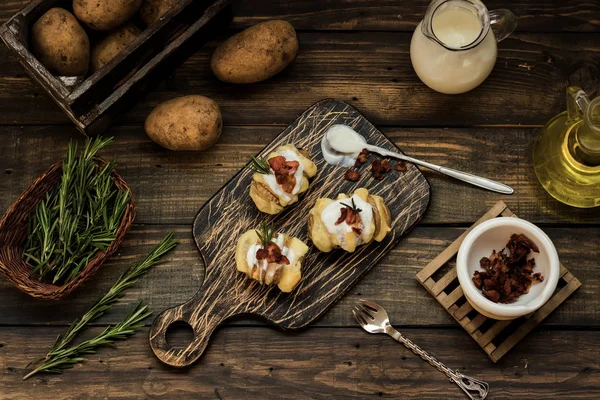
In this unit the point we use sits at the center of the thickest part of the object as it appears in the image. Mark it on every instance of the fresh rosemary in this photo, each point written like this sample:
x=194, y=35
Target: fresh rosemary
x=266, y=233
x=61, y=356
x=352, y=207
x=68, y=357
x=260, y=165
x=78, y=218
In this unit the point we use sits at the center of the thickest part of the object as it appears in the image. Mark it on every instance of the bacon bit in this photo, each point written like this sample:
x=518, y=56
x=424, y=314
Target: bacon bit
x=343, y=214
x=352, y=175
x=401, y=166
x=272, y=253
x=362, y=158
x=351, y=216
x=262, y=254
x=377, y=170
x=380, y=168
x=284, y=172
x=505, y=277
x=387, y=167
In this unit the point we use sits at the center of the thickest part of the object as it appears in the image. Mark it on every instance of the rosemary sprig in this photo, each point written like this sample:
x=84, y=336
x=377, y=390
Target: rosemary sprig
x=78, y=218
x=126, y=280
x=266, y=233
x=68, y=357
x=260, y=165
x=352, y=207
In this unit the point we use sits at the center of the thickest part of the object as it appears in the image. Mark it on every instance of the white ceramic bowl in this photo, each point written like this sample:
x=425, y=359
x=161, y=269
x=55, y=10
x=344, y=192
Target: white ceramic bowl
x=493, y=235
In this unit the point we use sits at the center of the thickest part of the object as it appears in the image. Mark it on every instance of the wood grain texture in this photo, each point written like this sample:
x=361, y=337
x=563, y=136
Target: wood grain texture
x=370, y=70
x=226, y=292
x=170, y=187
x=392, y=15
x=392, y=282
x=319, y=363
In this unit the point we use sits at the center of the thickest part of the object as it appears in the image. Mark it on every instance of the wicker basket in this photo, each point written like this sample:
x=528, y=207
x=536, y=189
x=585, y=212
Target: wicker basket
x=13, y=233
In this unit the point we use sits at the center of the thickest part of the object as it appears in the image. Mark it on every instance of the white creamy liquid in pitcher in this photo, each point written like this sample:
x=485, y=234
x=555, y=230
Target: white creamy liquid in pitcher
x=449, y=71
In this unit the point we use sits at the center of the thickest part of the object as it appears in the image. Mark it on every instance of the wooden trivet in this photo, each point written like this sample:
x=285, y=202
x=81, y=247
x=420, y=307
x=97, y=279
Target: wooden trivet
x=495, y=337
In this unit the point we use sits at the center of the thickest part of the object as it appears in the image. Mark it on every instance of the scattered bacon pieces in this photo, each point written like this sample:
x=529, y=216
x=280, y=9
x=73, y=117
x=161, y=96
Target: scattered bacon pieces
x=362, y=158
x=272, y=253
x=352, y=175
x=401, y=166
x=380, y=168
x=284, y=172
x=505, y=277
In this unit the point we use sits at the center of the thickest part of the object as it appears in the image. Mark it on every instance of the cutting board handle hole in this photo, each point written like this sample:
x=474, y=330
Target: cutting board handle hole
x=179, y=335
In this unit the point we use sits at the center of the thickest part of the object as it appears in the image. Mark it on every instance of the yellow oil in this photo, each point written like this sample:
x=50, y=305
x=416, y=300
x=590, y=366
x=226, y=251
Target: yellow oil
x=563, y=166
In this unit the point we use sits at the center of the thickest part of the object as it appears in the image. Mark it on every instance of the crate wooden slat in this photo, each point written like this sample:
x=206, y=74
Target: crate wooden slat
x=486, y=331
x=95, y=101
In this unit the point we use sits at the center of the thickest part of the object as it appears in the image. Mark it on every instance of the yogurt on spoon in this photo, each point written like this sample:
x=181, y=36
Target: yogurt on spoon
x=345, y=153
x=341, y=145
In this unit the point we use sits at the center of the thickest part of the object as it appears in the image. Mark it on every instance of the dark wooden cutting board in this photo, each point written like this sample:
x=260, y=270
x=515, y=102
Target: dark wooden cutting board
x=226, y=292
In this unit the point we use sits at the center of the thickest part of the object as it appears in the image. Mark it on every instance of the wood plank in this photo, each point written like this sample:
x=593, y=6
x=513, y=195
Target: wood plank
x=526, y=87
x=544, y=16
x=392, y=282
x=535, y=15
x=261, y=363
x=170, y=187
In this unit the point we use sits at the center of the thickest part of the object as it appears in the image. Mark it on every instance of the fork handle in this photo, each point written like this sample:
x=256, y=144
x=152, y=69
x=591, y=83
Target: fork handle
x=474, y=388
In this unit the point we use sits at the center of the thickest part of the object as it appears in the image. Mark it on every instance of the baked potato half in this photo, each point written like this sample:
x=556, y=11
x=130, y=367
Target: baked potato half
x=348, y=221
x=281, y=261
x=289, y=171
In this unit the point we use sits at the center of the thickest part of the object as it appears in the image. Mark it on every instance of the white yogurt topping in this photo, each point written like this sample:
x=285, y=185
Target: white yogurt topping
x=271, y=180
x=263, y=264
x=336, y=158
x=332, y=212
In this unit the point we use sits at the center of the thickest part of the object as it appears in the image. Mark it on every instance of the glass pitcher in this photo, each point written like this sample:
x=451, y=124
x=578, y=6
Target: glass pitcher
x=566, y=153
x=454, y=48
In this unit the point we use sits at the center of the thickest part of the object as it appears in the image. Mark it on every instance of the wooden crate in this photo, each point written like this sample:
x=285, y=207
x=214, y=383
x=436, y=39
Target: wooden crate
x=495, y=337
x=93, y=102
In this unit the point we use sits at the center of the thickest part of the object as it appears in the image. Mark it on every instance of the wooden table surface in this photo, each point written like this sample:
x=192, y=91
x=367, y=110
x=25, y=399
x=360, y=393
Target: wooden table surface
x=356, y=51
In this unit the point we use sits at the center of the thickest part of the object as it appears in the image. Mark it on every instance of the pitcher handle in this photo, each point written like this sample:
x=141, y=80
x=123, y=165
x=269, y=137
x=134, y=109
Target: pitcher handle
x=503, y=23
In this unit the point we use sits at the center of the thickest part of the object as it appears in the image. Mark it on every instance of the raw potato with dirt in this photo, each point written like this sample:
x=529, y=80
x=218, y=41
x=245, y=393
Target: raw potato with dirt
x=256, y=54
x=105, y=15
x=185, y=123
x=60, y=43
x=113, y=44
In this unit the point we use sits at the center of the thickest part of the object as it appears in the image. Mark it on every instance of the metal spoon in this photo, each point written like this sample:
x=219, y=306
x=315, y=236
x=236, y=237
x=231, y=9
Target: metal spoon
x=344, y=139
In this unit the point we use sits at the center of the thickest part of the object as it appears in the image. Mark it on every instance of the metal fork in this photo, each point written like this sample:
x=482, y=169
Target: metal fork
x=374, y=319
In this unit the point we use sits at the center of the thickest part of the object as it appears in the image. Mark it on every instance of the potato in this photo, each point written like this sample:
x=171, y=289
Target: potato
x=106, y=49
x=326, y=241
x=152, y=10
x=185, y=123
x=105, y=15
x=272, y=202
x=286, y=277
x=60, y=43
x=255, y=54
